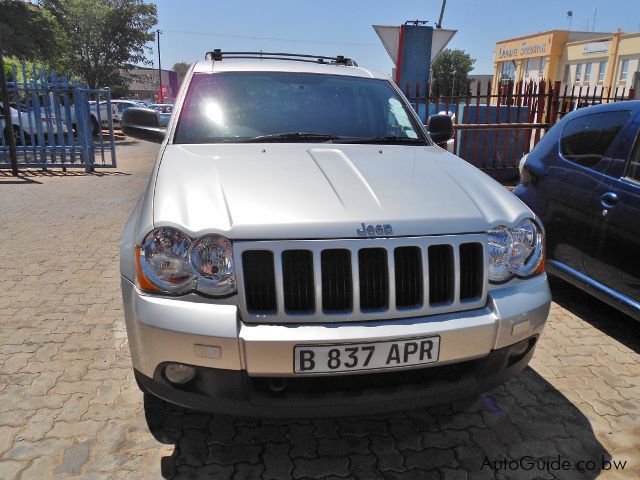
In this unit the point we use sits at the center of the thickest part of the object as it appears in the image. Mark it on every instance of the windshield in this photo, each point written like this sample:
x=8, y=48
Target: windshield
x=294, y=107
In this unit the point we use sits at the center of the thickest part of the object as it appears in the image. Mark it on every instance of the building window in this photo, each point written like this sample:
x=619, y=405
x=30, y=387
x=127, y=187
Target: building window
x=508, y=70
x=567, y=72
x=624, y=70
x=541, y=71
x=602, y=71
x=578, y=72
x=587, y=73
x=527, y=64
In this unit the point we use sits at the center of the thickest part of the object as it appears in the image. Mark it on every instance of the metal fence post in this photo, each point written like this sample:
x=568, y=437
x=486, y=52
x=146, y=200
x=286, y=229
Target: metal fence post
x=82, y=103
x=112, y=145
x=38, y=115
x=8, y=123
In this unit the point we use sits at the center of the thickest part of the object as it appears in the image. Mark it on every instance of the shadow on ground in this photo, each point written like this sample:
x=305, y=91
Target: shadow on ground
x=526, y=417
x=28, y=176
x=600, y=315
x=7, y=178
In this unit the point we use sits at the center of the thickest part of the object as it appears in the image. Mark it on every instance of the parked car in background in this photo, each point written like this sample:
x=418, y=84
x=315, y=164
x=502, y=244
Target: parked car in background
x=98, y=119
x=26, y=119
x=164, y=111
x=583, y=181
x=292, y=256
x=120, y=106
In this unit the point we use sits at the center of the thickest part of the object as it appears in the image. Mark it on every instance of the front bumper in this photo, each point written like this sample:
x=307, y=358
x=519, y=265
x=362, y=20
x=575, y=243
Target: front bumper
x=234, y=392
x=213, y=337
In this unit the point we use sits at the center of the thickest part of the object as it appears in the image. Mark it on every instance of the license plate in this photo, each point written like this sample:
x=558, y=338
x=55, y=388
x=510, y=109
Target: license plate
x=366, y=356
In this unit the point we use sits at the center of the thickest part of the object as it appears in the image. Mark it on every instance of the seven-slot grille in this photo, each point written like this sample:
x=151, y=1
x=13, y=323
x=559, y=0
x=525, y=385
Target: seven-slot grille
x=360, y=279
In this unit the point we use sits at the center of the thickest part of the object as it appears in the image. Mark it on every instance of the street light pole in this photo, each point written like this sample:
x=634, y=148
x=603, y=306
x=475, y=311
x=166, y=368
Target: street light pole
x=160, y=95
x=444, y=4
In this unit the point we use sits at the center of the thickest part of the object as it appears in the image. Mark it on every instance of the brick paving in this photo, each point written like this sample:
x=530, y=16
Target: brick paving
x=69, y=406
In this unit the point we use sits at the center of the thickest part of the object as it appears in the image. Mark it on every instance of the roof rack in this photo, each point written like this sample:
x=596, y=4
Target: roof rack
x=217, y=55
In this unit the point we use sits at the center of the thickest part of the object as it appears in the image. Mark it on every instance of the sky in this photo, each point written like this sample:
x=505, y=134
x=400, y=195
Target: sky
x=343, y=27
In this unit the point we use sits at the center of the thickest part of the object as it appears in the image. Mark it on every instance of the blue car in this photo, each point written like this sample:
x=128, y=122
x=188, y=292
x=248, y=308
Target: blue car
x=164, y=112
x=583, y=181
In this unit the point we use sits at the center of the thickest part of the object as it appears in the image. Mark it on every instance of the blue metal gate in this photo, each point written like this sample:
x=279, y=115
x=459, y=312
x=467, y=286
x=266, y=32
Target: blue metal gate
x=56, y=123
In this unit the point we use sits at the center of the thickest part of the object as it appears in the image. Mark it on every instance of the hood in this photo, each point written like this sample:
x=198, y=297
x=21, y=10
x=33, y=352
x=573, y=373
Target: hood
x=305, y=191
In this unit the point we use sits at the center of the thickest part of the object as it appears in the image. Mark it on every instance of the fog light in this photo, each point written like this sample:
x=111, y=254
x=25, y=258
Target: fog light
x=519, y=348
x=179, y=374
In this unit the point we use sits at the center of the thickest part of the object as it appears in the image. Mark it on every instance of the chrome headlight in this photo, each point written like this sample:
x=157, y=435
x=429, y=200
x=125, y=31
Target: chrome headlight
x=164, y=260
x=515, y=251
x=171, y=262
x=212, y=259
x=499, y=253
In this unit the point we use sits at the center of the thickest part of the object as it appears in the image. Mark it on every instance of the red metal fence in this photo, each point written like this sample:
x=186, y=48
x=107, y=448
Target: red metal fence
x=494, y=130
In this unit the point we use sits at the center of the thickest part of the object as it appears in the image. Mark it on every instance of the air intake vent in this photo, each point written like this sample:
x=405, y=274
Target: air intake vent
x=259, y=281
x=297, y=278
x=471, y=271
x=360, y=279
x=408, y=266
x=441, y=275
x=337, y=284
x=374, y=279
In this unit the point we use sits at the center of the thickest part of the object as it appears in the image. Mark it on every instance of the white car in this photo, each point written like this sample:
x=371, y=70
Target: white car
x=98, y=120
x=26, y=119
x=101, y=119
x=304, y=249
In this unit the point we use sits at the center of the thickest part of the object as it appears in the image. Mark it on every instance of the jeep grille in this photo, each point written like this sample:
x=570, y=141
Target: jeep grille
x=360, y=279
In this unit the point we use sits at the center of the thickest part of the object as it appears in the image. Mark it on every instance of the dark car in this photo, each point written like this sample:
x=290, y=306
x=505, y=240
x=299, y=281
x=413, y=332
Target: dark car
x=583, y=181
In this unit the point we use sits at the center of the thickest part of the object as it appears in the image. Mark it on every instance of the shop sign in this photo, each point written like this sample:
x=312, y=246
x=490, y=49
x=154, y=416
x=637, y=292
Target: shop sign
x=523, y=50
x=595, y=47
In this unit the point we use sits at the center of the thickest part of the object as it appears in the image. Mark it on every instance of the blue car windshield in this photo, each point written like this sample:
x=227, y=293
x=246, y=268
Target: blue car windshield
x=239, y=107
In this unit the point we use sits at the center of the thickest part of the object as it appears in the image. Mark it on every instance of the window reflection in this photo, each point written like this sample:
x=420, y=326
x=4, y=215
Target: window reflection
x=226, y=106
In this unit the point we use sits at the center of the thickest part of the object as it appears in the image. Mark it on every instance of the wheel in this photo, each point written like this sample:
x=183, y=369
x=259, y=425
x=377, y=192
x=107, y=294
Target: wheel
x=16, y=136
x=139, y=383
x=163, y=424
x=94, y=126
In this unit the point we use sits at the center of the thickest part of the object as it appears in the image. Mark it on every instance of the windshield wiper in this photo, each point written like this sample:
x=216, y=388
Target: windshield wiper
x=389, y=139
x=274, y=137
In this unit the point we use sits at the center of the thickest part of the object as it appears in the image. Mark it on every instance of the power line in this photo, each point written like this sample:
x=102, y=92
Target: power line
x=272, y=39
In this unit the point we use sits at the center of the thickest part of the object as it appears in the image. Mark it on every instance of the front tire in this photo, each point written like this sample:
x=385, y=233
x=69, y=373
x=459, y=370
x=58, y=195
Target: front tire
x=94, y=126
x=15, y=131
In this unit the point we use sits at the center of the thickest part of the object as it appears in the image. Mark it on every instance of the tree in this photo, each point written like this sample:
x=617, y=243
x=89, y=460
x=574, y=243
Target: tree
x=181, y=69
x=450, y=71
x=27, y=32
x=102, y=36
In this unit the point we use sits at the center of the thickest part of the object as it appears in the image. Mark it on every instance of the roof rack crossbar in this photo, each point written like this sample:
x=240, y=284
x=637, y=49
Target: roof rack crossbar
x=218, y=54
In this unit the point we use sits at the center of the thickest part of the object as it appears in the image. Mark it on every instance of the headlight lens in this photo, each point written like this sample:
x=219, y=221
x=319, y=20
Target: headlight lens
x=165, y=259
x=515, y=251
x=526, y=250
x=171, y=262
x=499, y=254
x=212, y=259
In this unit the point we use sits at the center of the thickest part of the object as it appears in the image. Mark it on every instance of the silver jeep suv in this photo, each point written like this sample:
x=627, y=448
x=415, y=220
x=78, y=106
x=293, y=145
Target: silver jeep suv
x=304, y=249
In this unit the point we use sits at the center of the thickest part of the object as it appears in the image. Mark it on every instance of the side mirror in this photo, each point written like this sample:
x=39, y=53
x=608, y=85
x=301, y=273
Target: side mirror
x=142, y=123
x=440, y=128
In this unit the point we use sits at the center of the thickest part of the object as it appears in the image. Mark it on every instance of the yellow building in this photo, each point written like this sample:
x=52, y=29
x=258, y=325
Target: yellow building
x=608, y=65
x=577, y=59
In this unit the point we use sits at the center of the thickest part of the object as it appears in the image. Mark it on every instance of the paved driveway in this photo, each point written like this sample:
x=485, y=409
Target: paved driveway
x=69, y=405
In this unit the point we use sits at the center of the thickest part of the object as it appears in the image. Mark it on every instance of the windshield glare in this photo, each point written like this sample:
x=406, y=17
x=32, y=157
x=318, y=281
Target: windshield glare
x=239, y=106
